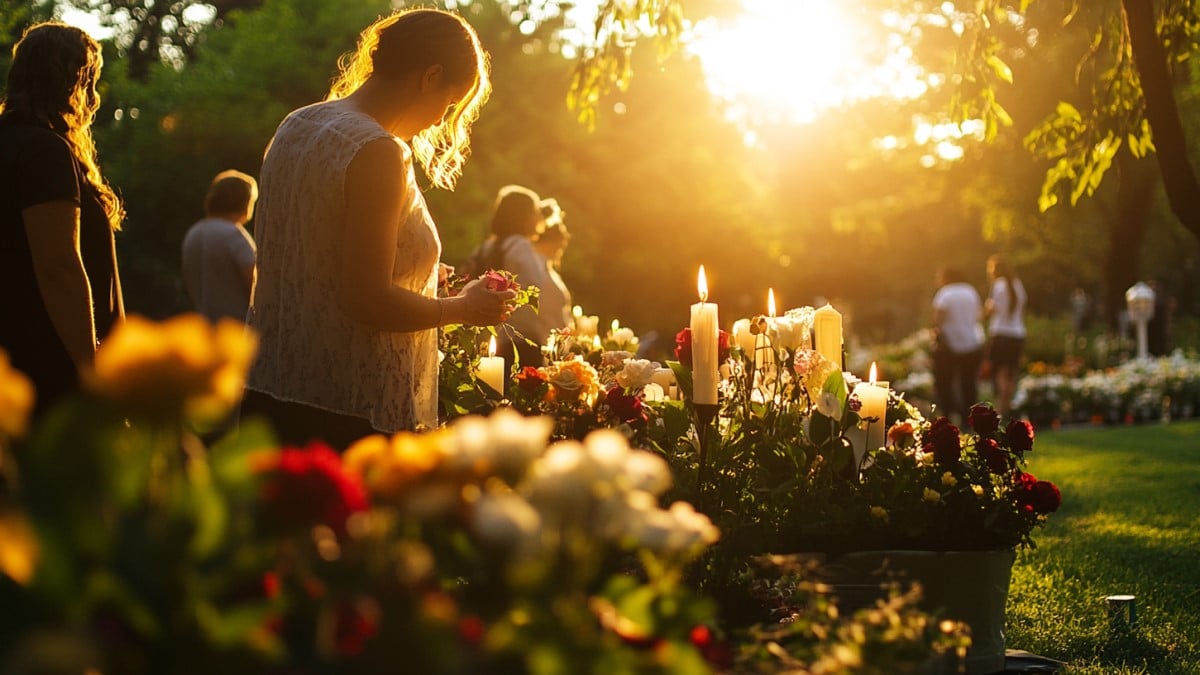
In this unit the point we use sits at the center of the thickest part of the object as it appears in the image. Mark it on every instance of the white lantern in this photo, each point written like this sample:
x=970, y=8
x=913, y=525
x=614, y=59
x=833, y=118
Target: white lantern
x=1140, y=299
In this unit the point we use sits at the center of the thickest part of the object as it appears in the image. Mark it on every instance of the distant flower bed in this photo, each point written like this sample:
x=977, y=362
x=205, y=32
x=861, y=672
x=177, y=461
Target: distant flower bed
x=1138, y=390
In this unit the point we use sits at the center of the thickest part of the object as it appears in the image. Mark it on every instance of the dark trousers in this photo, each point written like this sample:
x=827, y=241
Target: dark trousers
x=955, y=381
x=297, y=424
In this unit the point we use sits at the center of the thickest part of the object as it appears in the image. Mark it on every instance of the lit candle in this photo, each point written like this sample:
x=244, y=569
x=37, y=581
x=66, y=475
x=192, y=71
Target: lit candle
x=771, y=303
x=874, y=404
x=616, y=326
x=705, y=333
x=827, y=333
x=491, y=368
x=577, y=313
x=596, y=344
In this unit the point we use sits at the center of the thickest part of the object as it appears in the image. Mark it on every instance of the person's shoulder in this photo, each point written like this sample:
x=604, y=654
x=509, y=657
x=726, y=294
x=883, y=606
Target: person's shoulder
x=36, y=142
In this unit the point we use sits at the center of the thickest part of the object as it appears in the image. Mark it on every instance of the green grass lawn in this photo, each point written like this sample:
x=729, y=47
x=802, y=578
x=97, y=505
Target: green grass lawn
x=1129, y=523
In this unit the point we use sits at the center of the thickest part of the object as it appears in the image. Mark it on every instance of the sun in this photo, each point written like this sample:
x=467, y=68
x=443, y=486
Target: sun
x=795, y=58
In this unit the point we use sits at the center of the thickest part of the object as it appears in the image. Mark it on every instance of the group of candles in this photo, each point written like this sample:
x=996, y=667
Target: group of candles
x=705, y=328
x=827, y=340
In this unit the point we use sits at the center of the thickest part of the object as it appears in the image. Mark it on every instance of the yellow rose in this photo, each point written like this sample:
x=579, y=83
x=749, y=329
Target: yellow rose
x=880, y=513
x=949, y=480
x=16, y=399
x=931, y=495
x=182, y=366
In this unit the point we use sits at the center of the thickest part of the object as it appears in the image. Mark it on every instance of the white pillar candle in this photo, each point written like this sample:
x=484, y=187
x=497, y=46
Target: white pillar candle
x=654, y=392
x=827, y=333
x=705, y=333
x=491, y=368
x=874, y=404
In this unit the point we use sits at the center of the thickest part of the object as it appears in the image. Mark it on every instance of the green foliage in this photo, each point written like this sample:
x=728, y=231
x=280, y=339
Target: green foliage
x=1133, y=534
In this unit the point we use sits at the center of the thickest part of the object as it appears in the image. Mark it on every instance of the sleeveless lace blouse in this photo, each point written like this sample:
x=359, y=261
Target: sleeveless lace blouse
x=309, y=351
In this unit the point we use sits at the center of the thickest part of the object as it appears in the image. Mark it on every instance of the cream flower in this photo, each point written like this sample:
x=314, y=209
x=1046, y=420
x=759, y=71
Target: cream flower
x=949, y=480
x=829, y=405
x=880, y=513
x=637, y=373
x=932, y=496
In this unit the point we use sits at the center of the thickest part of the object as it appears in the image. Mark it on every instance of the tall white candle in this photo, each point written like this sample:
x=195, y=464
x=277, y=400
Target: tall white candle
x=874, y=404
x=705, y=333
x=491, y=368
x=827, y=333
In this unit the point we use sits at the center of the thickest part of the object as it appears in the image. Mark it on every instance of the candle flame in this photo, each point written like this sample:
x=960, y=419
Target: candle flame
x=615, y=325
x=702, y=285
x=577, y=311
x=873, y=372
x=771, y=302
x=596, y=341
x=492, y=346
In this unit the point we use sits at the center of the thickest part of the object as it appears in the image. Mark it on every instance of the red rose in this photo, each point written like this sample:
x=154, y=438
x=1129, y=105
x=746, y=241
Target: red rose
x=626, y=408
x=683, y=347
x=530, y=379
x=1019, y=436
x=1046, y=497
x=994, y=455
x=942, y=439
x=984, y=419
x=496, y=281
x=309, y=486
x=471, y=629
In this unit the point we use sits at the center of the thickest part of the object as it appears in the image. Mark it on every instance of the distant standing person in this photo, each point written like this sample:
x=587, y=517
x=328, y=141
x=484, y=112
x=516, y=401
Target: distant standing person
x=957, y=310
x=516, y=220
x=218, y=253
x=58, y=215
x=1005, y=312
x=554, y=302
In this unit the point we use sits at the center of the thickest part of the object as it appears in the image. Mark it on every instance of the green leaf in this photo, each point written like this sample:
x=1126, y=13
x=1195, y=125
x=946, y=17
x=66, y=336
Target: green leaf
x=683, y=377
x=1068, y=111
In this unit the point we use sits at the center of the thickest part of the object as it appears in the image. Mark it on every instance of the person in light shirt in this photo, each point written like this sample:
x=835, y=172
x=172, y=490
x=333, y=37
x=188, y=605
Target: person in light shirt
x=218, y=253
x=554, y=302
x=345, y=302
x=1005, y=312
x=958, y=352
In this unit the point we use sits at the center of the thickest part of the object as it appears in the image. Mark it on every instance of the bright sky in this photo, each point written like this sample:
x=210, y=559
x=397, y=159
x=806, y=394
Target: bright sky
x=797, y=58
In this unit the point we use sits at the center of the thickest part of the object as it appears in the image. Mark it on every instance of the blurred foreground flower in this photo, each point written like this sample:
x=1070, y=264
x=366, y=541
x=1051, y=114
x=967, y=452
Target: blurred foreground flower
x=18, y=547
x=183, y=366
x=16, y=399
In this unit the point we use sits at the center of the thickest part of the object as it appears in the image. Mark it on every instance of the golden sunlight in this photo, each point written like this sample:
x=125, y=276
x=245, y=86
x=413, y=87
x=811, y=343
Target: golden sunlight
x=797, y=59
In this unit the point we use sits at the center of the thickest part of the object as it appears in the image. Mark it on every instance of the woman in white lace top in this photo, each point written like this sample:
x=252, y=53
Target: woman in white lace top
x=346, y=303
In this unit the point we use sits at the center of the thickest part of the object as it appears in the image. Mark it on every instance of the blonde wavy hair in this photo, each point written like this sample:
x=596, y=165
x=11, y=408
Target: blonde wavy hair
x=410, y=41
x=52, y=83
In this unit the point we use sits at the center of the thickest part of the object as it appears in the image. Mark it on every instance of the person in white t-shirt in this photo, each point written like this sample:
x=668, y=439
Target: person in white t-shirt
x=1005, y=311
x=958, y=352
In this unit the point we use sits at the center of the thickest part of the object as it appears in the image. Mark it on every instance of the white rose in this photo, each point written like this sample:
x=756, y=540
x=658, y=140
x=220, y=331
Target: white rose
x=637, y=373
x=647, y=471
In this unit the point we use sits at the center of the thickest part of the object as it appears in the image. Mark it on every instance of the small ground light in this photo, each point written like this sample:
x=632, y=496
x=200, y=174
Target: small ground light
x=1122, y=611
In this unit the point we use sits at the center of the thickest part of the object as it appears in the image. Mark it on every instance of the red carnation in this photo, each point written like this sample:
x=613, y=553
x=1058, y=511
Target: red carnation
x=984, y=419
x=1019, y=436
x=943, y=441
x=309, y=486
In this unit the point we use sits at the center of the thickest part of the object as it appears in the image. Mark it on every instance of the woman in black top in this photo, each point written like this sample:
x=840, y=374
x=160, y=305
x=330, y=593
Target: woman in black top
x=60, y=293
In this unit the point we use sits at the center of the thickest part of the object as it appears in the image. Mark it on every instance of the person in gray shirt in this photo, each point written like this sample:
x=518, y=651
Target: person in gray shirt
x=218, y=252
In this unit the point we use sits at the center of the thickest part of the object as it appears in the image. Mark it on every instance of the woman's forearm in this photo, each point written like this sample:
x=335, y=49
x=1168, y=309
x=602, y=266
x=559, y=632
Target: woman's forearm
x=53, y=233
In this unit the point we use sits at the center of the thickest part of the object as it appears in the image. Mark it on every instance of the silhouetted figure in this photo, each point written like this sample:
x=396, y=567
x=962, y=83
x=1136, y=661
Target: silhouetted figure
x=58, y=262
